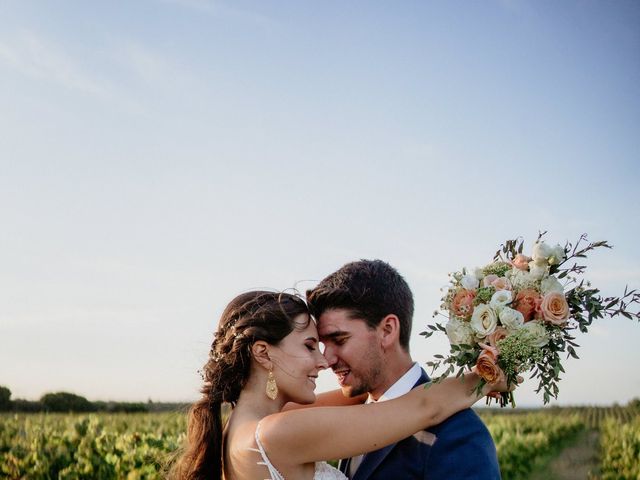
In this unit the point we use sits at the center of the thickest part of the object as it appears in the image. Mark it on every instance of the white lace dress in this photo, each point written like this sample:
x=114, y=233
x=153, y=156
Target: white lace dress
x=323, y=471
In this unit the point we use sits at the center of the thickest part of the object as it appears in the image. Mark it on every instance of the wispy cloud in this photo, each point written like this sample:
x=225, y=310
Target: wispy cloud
x=33, y=57
x=41, y=58
x=152, y=67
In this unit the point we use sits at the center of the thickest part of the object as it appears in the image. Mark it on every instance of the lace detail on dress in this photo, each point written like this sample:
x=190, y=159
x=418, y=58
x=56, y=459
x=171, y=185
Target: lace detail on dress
x=323, y=470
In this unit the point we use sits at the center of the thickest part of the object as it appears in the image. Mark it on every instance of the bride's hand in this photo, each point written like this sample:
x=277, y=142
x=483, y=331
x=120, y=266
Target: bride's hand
x=494, y=390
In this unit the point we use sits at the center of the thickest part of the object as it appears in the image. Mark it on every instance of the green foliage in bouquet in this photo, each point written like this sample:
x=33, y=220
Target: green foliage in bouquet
x=514, y=315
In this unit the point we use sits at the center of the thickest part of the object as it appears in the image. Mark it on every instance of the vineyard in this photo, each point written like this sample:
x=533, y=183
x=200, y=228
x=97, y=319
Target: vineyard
x=139, y=446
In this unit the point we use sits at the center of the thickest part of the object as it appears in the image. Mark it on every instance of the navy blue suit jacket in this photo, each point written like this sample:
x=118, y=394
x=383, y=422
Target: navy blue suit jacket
x=459, y=448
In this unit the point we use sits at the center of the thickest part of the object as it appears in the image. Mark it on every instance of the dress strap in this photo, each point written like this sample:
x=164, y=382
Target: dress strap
x=273, y=471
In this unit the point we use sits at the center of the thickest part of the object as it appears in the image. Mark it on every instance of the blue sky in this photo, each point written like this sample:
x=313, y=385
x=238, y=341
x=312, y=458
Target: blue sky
x=159, y=157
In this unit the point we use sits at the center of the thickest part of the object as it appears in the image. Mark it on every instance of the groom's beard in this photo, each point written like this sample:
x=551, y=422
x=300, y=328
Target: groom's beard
x=367, y=377
x=365, y=386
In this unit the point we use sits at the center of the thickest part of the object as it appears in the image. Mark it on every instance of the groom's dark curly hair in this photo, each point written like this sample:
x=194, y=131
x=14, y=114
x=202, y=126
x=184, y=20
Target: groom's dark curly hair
x=370, y=290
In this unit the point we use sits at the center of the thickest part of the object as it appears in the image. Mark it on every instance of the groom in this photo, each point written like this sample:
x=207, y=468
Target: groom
x=364, y=312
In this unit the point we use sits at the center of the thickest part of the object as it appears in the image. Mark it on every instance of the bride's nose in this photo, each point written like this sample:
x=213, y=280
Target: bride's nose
x=322, y=362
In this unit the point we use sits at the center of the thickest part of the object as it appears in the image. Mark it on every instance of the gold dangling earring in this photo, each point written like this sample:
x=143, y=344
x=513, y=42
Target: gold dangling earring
x=272, y=387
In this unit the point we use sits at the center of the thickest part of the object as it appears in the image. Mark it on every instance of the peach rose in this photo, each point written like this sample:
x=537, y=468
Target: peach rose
x=527, y=302
x=497, y=335
x=501, y=283
x=554, y=308
x=521, y=262
x=487, y=366
x=462, y=303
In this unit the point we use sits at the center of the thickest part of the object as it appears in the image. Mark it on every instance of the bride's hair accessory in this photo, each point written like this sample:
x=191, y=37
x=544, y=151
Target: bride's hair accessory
x=272, y=386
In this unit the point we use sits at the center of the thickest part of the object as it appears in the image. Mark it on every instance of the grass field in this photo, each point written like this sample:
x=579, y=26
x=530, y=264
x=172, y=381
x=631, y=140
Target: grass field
x=553, y=443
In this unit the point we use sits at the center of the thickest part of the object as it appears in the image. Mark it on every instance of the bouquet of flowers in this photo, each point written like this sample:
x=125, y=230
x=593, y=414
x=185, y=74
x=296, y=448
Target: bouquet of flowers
x=520, y=313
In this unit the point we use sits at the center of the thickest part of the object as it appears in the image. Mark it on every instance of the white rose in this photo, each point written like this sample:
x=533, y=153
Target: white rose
x=459, y=332
x=557, y=255
x=541, y=252
x=537, y=270
x=470, y=282
x=511, y=319
x=484, y=320
x=500, y=299
x=520, y=279
x=550, y=284
x=538, y=333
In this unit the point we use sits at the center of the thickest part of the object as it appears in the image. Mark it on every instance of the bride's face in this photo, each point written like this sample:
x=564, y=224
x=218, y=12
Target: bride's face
x=296, y=362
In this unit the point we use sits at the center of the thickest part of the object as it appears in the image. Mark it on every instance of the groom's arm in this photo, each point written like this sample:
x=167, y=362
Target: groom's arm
x=332, y=398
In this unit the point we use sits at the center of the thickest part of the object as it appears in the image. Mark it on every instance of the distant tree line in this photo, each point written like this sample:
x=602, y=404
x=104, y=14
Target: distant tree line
x=70, y=402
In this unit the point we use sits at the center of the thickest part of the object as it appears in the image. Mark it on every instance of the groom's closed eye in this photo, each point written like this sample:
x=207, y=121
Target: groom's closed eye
x=337, y=338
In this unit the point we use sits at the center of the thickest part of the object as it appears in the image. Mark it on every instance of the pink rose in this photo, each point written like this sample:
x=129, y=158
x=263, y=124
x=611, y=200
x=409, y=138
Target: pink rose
x=486, y=281
x=527, y=302
x=521, y=262
x=462, y=303
x=501, y=283
x=554, y=308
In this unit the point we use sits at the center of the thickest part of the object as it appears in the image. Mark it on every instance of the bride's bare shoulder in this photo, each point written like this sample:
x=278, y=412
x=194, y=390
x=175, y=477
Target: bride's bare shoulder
x=241, y=456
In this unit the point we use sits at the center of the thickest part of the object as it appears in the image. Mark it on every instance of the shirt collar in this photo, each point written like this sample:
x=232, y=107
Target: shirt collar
x=402, y=386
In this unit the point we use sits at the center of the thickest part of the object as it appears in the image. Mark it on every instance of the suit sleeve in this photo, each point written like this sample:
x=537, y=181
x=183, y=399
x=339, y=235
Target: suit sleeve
x=463, y=450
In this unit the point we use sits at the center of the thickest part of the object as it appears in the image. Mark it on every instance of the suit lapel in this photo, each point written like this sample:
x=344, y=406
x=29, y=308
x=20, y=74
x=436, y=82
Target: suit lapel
x=372, y=459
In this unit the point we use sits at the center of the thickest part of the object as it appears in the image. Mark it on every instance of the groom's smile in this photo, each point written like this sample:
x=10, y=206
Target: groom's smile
x=342, y=375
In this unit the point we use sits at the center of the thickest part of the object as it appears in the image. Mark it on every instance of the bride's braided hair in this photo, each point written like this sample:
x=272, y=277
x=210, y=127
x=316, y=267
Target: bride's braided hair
x=251, y=316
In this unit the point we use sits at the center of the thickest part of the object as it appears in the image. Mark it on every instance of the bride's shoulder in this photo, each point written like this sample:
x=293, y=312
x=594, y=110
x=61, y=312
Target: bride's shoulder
x=243, y=456
x=239, y=440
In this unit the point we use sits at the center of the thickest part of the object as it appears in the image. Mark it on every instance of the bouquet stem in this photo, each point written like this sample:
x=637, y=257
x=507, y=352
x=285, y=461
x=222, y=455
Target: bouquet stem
x=507, y=398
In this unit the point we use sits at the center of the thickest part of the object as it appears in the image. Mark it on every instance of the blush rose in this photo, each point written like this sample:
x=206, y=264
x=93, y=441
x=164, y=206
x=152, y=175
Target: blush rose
x=554, y=308
x=521, y=262
x=527, y=302
x=462, y=303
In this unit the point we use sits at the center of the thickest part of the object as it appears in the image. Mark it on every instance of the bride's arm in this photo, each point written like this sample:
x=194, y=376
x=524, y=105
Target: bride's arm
x=308, y=435
x=332, y=398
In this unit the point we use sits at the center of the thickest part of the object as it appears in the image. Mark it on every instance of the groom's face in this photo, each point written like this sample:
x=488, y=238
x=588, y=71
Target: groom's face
x=352, y=350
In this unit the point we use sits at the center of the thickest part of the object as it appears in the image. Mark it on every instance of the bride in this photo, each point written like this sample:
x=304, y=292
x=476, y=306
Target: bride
x=265, y=354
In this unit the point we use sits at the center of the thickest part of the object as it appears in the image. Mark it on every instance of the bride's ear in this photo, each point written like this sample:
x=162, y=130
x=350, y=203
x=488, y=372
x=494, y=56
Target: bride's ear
x=260, y=352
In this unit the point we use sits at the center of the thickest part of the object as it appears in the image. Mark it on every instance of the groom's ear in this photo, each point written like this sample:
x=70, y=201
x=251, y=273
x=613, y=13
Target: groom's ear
x=260, y=352
x=389, y=330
